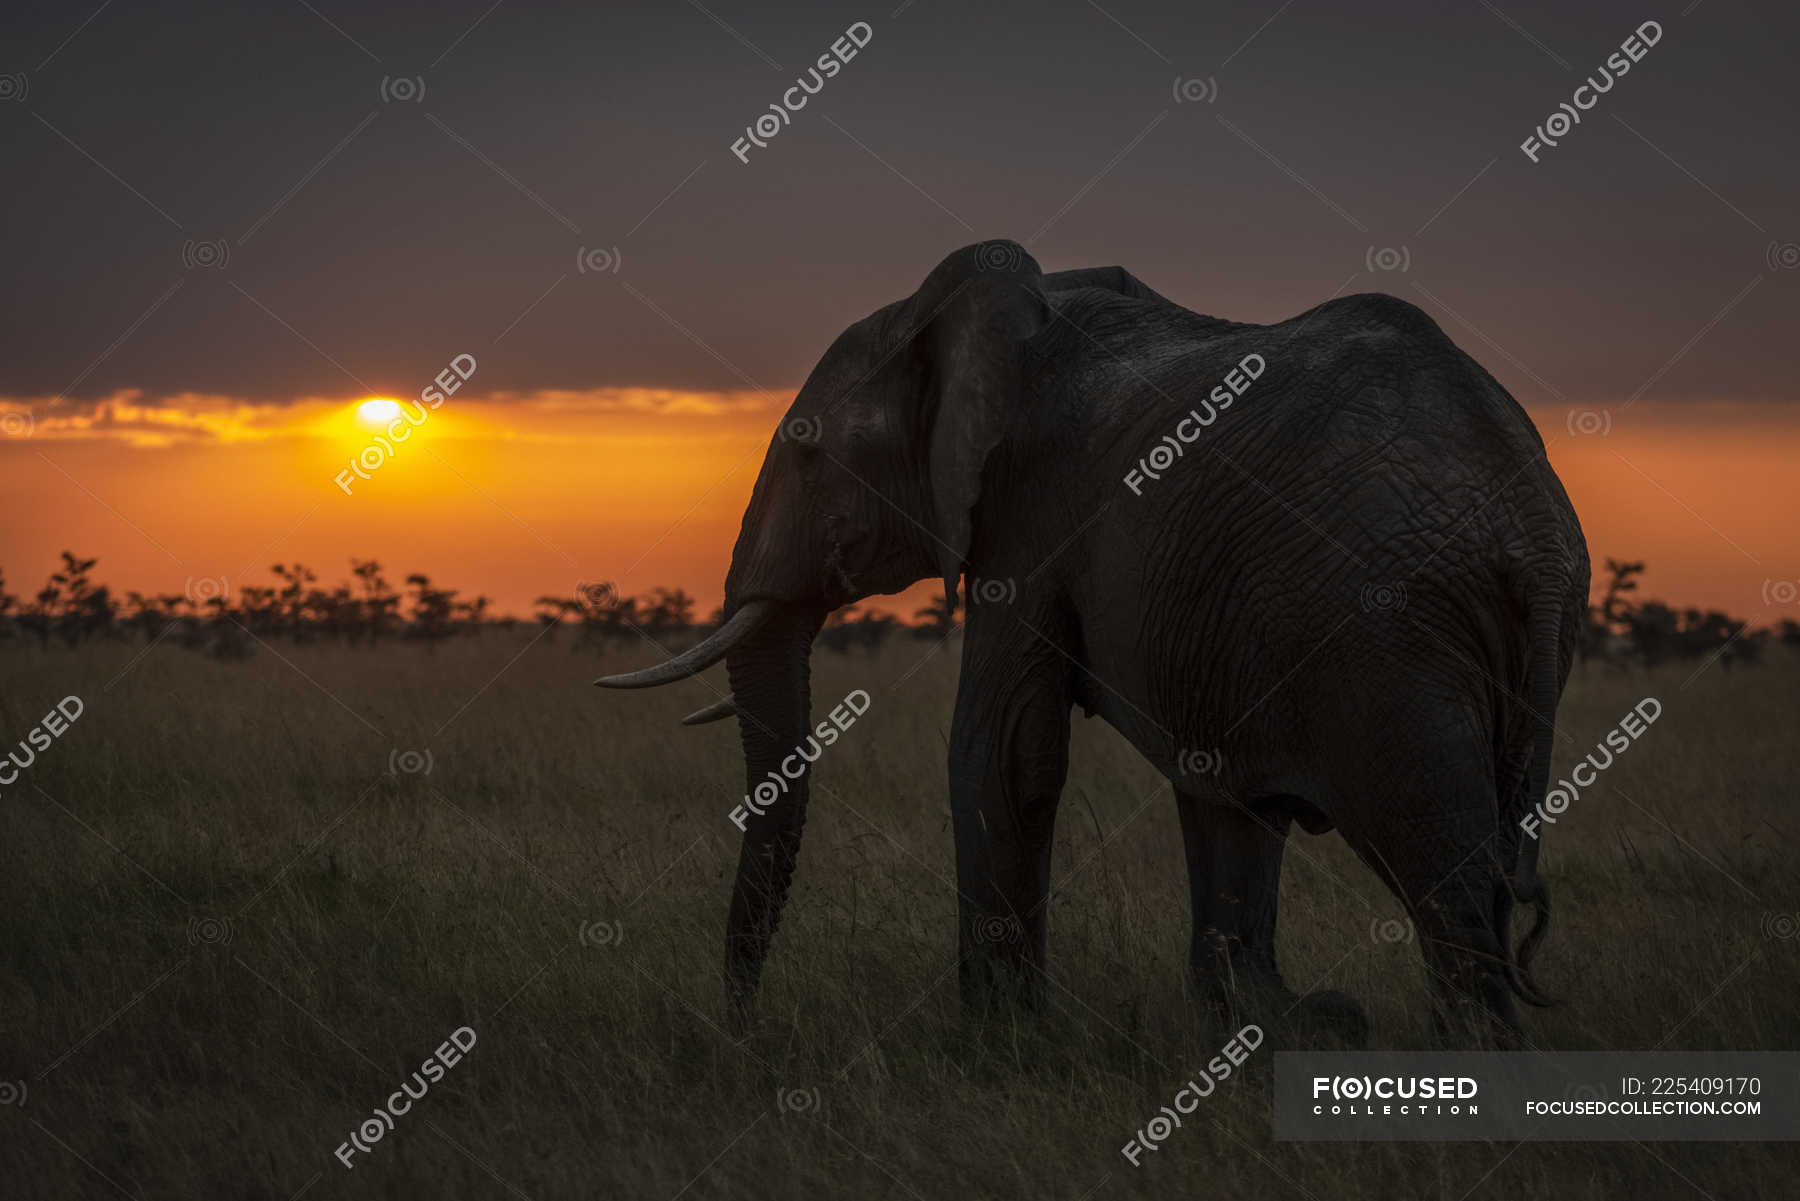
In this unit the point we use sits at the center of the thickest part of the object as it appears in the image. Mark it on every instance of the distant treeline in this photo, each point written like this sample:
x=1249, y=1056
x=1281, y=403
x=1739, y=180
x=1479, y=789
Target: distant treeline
x=71, y=609
x=1619, y=630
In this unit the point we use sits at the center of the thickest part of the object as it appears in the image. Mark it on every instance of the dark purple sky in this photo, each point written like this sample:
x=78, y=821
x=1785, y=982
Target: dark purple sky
x=370, y=240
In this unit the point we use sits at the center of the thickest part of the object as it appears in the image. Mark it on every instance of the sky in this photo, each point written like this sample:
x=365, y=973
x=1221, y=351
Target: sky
x=228, y=226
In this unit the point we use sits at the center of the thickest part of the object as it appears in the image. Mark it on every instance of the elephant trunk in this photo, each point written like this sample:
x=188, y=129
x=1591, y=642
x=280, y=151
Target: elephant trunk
x=770, y=682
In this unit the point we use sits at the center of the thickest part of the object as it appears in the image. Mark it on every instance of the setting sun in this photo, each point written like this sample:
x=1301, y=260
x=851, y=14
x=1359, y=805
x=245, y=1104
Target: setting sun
x=377, y=411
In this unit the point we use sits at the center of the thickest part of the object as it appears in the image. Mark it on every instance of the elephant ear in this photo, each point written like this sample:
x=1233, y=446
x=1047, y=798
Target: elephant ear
x=973, y=314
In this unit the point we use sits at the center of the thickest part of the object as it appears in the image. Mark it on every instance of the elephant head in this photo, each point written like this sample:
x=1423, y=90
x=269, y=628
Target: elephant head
x=869, y=485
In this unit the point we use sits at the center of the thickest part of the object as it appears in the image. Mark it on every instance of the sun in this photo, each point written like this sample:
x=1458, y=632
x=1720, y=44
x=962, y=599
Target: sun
x=377, y=411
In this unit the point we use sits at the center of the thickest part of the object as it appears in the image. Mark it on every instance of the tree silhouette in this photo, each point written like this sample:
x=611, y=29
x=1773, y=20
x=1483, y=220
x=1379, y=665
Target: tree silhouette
x=73, y=608
x=936, y=620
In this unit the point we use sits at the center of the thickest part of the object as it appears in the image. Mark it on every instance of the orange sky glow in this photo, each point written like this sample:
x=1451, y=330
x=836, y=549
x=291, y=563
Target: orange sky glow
x=515, y=496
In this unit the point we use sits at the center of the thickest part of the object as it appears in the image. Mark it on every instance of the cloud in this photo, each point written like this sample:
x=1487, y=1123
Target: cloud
x=193, y=418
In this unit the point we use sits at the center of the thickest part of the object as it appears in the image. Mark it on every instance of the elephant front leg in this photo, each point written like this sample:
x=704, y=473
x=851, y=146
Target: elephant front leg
x=1008, y=760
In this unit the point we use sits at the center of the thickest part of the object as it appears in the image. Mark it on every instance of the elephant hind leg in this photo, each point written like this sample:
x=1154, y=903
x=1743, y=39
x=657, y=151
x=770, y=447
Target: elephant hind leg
x=1234, y=878
x=1437, y=847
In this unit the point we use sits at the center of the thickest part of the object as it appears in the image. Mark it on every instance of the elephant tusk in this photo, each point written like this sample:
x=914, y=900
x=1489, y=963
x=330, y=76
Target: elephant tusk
x=713, y=712
x=743, y=623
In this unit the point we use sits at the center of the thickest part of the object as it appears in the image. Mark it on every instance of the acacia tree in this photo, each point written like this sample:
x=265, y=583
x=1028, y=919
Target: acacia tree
x=380, y=603
x=432, y=610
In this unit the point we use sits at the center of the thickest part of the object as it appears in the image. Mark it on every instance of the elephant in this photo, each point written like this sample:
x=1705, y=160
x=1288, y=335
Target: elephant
x=1354, y=609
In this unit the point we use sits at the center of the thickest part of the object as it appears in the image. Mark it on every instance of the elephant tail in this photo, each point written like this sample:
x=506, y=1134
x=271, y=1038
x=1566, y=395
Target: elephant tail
x=1544, y=610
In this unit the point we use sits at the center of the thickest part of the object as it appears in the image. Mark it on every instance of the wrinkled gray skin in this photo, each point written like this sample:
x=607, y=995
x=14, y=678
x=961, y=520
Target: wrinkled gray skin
x=1358, y=587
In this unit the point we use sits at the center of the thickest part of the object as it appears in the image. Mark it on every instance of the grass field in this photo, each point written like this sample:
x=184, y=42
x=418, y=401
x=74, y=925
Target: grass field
x=230, y=930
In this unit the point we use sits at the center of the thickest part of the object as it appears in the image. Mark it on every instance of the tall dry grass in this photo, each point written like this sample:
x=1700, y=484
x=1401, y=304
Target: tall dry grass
x=229, y=931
